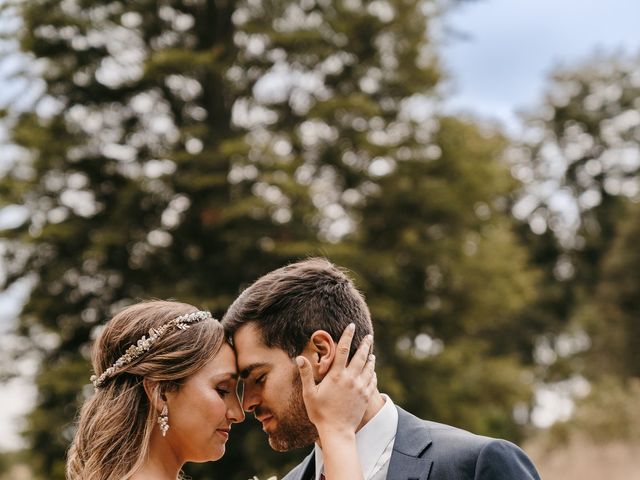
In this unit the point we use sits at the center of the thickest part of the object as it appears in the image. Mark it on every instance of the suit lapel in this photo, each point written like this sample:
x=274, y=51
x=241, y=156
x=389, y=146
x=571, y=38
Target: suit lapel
x=409, y=460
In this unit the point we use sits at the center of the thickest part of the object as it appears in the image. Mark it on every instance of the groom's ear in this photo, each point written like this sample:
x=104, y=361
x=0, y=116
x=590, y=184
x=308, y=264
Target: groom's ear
x=320, y=351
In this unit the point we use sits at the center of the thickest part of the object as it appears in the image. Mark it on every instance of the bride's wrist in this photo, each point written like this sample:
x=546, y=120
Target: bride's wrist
x=346, y=432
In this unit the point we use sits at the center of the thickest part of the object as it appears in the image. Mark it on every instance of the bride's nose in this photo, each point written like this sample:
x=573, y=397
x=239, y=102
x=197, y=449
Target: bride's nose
x=250, y=399
x=235, y=414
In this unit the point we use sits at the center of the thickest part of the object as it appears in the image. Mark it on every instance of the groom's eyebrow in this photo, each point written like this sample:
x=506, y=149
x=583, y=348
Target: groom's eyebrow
x=245, y=372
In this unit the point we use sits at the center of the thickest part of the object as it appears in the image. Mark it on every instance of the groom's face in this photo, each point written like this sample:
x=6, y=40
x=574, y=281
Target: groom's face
x=272, y=391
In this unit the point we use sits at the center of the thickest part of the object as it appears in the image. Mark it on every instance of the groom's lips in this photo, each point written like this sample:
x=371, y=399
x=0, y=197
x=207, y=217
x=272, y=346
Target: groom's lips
x=263, y=420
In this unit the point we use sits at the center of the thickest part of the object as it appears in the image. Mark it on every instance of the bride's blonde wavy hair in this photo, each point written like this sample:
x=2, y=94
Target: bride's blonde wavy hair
x=115, y=423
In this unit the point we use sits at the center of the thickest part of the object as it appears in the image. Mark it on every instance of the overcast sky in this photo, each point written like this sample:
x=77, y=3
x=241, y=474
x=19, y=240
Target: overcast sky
x=513, y=45
x=500, y=68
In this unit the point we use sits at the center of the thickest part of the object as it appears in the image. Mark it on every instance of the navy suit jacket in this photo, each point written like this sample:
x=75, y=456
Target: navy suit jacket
x=429, y=450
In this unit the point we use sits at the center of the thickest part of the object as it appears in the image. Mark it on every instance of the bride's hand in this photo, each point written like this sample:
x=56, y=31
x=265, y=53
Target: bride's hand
x=337, y=404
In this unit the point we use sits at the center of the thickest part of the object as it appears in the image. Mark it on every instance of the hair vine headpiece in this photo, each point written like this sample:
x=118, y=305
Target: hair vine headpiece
x=144, y=344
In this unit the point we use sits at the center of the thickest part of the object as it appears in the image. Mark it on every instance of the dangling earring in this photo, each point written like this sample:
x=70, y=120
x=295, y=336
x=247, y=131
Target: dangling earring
x=163, y=420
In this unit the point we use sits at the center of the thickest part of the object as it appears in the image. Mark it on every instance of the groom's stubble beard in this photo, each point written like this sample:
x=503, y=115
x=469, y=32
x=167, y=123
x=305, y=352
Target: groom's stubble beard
x=294, y=429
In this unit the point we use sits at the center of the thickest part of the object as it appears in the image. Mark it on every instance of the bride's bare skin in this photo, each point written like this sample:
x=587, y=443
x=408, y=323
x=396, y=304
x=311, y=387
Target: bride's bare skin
x=201, y=414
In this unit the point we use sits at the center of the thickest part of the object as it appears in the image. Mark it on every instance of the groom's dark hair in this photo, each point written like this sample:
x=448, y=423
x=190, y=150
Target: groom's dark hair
x=290, y=303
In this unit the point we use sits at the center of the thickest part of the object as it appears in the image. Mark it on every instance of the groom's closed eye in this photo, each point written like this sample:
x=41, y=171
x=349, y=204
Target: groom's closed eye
x=246, y=372
x=256, y=378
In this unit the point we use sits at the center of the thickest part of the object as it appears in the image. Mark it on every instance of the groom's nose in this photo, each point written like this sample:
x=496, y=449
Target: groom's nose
x=250, y=399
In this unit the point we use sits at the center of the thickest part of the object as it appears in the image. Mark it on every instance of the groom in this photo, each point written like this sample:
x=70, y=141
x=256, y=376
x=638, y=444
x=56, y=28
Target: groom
x=302, y=309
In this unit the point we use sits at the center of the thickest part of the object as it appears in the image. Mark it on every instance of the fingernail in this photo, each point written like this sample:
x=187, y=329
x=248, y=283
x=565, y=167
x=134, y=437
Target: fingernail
x=351, y=326
x=372, y=357
x=369, y=338
x=300, y=362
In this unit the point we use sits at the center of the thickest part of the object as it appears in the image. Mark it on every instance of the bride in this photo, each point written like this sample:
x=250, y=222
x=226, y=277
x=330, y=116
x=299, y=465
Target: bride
x=166, y=394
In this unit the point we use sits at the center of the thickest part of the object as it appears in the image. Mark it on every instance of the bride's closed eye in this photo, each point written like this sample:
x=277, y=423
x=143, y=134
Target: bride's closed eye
x=223, y=392
x=223, y=389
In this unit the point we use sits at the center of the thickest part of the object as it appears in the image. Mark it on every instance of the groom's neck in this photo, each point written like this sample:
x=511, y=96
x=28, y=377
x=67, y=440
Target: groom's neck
x=375, y=404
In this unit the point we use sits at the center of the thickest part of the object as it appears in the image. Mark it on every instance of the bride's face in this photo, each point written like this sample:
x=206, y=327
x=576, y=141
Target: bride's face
x=202, y=410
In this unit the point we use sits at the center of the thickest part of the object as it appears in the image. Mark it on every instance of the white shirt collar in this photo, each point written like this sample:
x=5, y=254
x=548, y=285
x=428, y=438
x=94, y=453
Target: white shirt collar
x=371, y=440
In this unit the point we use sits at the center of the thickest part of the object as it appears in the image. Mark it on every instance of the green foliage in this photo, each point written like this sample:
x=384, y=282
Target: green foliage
x=181, y=149
x=612, y=316
x=609, y=413
x=13, y=465
x=446, y=279
x=612, y=412
x=579, y=162
x=584, y=143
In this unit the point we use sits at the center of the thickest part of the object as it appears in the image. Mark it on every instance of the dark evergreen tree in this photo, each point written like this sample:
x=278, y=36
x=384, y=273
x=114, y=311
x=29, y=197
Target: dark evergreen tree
x=138, y=184
x=612, y=315
x=447, y=281
x=183, y=148
x=579, y=161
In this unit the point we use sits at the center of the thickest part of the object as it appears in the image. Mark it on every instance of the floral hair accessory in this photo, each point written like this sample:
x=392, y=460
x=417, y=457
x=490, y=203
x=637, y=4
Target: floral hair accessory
x=145, y=343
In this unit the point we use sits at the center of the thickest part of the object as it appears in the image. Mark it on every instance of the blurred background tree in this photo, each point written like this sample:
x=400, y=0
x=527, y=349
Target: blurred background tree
x=447, y=304
x=579, y=162
x=612, y=317
x=180, y=149
x=136, y=184
x=581, y=159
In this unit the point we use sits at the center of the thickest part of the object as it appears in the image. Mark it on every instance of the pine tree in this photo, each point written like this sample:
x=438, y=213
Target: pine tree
x=447, y=281
x=579, y=163
x=138, y=184
x=580, y=160
x=611, y=315
x=184, y=148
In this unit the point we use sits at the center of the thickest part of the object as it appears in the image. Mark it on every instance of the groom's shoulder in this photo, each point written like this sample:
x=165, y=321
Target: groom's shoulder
x=451, y=440
x=457, y=453
x=407, y=420
x=438, y=432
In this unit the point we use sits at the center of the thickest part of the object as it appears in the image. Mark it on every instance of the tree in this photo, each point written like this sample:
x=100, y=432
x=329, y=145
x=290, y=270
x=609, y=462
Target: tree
x=134, y=179
x=183, y=148
x=579, y=161
x=610, y=318
x=612, y=315
x=446, y=280
x=581, y=155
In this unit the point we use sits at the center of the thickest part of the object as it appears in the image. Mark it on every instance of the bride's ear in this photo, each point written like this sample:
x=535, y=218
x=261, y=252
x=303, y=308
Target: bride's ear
x=152, y=389
x=320, y=350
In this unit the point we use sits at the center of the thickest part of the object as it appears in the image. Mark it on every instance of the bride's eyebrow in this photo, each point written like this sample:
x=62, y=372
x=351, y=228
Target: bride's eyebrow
x=225, y=376
x=245, y=372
